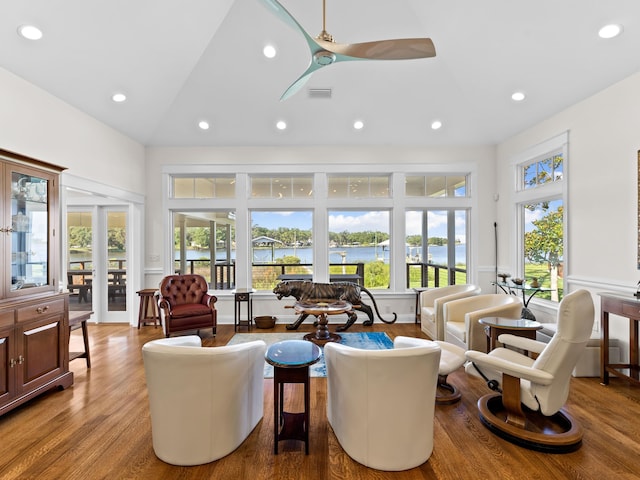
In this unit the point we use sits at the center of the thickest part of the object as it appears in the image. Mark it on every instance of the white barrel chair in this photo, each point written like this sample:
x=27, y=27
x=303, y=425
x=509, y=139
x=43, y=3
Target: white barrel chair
x=461, y=317
x=204, y=401
x=432, y=301
x=381, y=403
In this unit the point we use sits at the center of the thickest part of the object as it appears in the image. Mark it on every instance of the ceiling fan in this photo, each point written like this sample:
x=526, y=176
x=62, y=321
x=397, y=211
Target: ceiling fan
x=324, y=51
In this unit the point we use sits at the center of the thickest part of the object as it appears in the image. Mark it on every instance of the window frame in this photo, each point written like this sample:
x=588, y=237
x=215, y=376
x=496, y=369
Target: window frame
x=550, y=191
x=320, y=204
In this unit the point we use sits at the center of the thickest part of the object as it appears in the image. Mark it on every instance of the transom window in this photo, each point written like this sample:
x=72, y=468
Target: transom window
x=436, y=186
x=357, y=186
x=282, y=187
x=540, y=172
x=203, y=187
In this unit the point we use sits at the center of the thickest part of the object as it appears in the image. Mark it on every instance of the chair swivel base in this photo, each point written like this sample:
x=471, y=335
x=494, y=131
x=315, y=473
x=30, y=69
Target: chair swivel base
x=558, y=433
x=446, y=394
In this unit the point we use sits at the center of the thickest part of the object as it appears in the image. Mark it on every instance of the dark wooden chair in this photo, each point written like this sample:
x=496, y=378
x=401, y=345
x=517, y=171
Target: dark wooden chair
x=186, y=305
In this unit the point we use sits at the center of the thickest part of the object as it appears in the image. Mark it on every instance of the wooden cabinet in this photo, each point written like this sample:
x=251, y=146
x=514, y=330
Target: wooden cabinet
x=34, y=332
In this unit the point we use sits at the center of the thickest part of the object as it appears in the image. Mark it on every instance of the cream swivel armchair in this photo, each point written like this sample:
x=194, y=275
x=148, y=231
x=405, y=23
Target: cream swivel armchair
x=529, y=410
x=376, y=401
x=204, y=402
x=460, y=318
x=431, y=302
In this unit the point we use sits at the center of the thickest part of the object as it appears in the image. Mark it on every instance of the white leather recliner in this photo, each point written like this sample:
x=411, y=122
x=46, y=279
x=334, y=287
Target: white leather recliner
x=204, y=401
x=529, y=410
x=380, y=403
x=460, y=318
x=432, y=301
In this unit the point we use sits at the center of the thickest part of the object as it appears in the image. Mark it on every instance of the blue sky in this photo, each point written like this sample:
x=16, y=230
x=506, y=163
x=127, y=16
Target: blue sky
x=357, y=221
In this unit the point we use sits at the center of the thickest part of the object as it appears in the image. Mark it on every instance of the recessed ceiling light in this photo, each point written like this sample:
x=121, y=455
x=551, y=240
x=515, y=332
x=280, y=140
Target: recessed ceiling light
x=281, y=125
x=610, y=31
x=118, y=97
x=203, y=125
x=269, y=51
x=30, y=32
x=518, y=96
x=358, y=124
x=436, y=125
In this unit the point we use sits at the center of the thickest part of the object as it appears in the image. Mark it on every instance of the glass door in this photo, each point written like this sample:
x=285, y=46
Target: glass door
x=80, y=259
x=116, y=261
x=97, y=242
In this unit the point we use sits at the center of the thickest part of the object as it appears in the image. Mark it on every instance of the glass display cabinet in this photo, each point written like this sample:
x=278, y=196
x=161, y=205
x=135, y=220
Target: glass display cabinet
x=34, y=315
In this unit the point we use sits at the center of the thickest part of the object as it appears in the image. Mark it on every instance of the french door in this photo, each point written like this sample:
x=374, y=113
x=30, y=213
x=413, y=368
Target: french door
x=97, y=254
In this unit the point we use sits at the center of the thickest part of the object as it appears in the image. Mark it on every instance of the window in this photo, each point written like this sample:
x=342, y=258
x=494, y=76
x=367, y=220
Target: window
x=193, y=246
x=341, y=222
x=543, y=245
x=540, y=172
x=281, y=244
x=541, y=215
x=281, y=187
x=359, y=186
x=442, y=259
x=359, y=243
x=436, y=186
x=203, y=187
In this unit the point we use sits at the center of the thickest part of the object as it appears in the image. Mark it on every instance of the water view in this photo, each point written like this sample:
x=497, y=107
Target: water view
x=437, y=254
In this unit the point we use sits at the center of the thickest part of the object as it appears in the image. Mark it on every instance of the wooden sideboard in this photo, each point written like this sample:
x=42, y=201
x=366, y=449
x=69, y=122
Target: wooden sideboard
x=624, y=306
x=34, y=341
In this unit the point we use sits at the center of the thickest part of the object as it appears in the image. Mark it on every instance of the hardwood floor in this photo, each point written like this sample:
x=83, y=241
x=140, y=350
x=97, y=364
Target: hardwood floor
x=100, y=428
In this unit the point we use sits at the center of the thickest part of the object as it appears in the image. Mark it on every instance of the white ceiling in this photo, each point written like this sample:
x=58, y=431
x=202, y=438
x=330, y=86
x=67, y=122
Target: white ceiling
x=183, y=61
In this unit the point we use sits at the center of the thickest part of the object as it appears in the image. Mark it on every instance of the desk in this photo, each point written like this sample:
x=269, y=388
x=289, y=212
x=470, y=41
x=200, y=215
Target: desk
x=240, y=296
x=625, y=306
x=321, y=309
x=334, y=277
x=291, y=360
x=512, y=288
x=496, y=326
x=78, y=319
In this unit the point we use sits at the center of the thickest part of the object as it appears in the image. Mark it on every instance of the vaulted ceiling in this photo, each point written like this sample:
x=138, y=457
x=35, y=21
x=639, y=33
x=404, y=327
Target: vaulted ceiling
x=182, y=62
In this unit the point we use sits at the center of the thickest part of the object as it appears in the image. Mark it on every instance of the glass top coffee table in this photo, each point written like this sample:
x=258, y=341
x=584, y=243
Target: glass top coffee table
x=496, y=326
x=291, y=360
x=321, y=309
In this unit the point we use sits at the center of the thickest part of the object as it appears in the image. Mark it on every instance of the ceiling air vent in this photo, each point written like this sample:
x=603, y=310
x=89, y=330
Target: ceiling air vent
x=319, y=93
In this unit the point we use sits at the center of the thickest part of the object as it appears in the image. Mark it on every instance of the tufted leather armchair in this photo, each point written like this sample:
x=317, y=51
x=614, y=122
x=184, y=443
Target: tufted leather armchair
x=186, y=305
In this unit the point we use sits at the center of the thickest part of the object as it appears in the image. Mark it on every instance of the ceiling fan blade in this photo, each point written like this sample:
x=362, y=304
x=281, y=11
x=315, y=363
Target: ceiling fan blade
x=399, y=49
x=299, y=83
x=286, y=17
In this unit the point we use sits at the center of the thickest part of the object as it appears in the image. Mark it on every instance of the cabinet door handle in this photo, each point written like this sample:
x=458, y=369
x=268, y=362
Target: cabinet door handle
x=20, y=359
x=42, y=309
x=12, y=362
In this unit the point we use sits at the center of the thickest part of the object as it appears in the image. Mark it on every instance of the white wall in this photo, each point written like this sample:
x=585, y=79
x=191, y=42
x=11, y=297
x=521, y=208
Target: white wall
x=603, y=181
x=37, y=124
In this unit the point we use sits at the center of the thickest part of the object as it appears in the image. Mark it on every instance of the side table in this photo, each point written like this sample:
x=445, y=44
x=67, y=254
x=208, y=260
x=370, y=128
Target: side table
x=418, y=291
x=240, y=296
x=78, y=319
x=496, y=326
x=148, y=308
x=291, y=360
